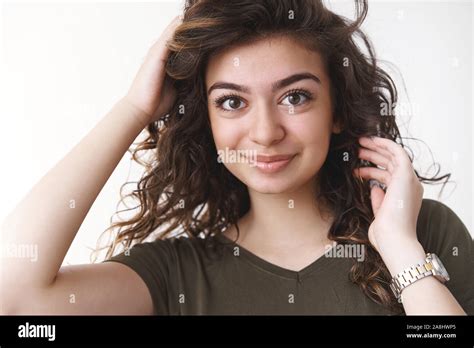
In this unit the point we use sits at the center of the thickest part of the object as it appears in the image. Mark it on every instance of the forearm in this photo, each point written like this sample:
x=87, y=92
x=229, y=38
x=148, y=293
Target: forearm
x=50, y=215
x=427, y=295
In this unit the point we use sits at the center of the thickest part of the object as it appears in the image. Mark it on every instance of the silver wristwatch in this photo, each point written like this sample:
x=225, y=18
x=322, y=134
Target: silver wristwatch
x=431, y=266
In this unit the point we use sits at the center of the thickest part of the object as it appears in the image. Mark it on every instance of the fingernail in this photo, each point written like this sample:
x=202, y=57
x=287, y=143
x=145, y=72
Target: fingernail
x=373, y=182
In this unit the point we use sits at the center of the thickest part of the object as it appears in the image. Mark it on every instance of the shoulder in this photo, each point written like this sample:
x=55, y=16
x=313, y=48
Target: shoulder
x=442, y=232
x=160, y=252
x=181, y=248
x=438, y=227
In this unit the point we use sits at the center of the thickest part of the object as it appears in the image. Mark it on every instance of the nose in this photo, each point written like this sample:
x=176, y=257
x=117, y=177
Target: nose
x=266, y=128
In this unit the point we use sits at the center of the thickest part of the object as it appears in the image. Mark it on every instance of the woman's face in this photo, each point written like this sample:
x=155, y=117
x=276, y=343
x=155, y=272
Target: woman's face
x=270, y=98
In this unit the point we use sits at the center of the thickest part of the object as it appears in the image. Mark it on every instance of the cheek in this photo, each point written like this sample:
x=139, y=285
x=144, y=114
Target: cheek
x=313, y=130
x=313, y=135
x=226, y=133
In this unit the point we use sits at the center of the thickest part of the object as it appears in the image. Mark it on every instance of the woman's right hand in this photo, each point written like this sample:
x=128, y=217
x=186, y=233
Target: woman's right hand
x=150, y=91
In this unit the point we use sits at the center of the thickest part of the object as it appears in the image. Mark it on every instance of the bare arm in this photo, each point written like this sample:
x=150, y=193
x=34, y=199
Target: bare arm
x=393, y=232
x=426, y=296
x=109, y=288
x=50, y=215
x=44, y=217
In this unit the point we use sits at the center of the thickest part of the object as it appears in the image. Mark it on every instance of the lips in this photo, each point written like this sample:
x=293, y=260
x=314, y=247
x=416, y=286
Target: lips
x=275, y=158
x=272, y=164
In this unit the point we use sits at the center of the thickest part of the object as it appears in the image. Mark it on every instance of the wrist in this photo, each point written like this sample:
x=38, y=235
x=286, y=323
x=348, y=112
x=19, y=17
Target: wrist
x=402, y=254
x=136, y=112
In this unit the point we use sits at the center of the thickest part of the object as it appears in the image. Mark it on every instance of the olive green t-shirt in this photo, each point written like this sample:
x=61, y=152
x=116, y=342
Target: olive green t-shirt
x=185, y=277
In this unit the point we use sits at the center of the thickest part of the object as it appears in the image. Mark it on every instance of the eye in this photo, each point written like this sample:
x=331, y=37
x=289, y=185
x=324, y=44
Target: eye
x=229, y=102
x=297, y=97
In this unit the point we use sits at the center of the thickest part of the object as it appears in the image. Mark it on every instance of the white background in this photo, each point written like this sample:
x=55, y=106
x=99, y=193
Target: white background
x=64, y=64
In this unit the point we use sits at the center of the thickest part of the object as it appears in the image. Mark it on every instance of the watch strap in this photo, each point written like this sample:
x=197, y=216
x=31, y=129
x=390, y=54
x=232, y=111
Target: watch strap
x=409, y=276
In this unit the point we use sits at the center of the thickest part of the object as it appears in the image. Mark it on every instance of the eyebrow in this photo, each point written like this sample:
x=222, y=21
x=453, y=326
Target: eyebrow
x=275, y=86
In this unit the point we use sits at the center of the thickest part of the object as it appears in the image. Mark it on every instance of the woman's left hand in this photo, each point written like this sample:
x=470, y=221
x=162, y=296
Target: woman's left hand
x=396, y=210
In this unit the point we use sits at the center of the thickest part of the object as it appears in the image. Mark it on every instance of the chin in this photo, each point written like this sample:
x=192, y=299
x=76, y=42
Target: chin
x=272, y=184
x=285, y=181
x=270, y=187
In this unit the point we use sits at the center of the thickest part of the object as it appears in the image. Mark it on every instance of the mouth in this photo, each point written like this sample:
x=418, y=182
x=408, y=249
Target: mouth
x=272, y=164
x=275, y=158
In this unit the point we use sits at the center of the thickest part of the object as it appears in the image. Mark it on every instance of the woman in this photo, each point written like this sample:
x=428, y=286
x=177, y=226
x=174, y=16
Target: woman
x=270, y=153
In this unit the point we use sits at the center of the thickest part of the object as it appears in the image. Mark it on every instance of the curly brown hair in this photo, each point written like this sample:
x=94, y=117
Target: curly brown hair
x=186, y=190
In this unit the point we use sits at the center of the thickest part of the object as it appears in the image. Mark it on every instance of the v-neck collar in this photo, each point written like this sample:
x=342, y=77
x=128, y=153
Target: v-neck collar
x=319, y=264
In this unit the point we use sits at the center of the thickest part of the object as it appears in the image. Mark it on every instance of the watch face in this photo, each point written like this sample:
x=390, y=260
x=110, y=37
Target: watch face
x=438, y=266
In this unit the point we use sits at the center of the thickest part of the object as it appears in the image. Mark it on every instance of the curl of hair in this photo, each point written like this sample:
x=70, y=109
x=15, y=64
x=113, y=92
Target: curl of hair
x=184, y=169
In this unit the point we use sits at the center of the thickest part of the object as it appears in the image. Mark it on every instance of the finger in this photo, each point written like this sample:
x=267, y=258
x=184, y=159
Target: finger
x=167, y=99
x=395, y=149
x=370, y=144
x=380, y=175
x=376, y=197
x=159, y=48
x=400, y=159
x=376, y=158
x=175, y=22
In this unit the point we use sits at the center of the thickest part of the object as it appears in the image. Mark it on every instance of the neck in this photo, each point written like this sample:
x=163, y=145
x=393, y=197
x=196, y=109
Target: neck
x=286, y=220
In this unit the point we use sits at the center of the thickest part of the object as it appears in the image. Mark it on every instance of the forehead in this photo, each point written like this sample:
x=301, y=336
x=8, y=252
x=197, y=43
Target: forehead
x=263, y=61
